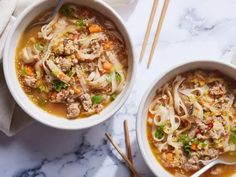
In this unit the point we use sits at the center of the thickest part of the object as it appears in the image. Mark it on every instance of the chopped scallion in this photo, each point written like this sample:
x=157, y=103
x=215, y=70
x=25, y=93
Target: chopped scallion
x=80, y=23
x=118, y=77
x=96, y=99
x=160, y=132
x=67, y=10
x=39, y=46
x=23, y=71
x=113, y=97
x=59, y=85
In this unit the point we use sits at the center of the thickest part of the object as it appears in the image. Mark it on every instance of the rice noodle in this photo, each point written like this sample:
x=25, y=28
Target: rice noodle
x=81, y=79
x=178, y=103
x=27, y=55
x=154, y=105
x=197, y=110
x=171, y=142
x=161, y=115
x=47, y=30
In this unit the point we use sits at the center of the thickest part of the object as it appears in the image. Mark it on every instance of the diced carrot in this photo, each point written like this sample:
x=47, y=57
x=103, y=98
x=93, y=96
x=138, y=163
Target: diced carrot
x=169, y=156
x=150, y=115
x=60, y=76
x=107, y=45
x=29, y=70
x=107, y=66
x=77, y=90
x=194, y=146
x=95, y=28
x=149, y=137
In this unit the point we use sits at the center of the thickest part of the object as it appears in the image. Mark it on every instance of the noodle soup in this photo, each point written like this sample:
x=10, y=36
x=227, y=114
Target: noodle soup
x=74, y=66
x=191, y=121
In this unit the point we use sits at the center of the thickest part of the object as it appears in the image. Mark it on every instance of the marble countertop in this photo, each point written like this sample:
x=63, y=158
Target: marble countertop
x=193, y=29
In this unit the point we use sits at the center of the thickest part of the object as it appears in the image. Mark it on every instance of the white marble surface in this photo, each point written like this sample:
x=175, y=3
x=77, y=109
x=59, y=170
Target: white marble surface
x=193, y=29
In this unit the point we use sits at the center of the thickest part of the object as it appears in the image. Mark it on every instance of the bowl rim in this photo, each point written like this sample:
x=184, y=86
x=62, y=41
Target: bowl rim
x=125, y=93
x=161, y=171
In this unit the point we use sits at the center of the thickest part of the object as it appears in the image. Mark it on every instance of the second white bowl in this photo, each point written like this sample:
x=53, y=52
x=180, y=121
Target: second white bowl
x=141, y=124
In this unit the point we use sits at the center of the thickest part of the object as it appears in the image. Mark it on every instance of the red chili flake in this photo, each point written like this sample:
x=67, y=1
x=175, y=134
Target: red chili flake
x=210, y=125
x=198, y=131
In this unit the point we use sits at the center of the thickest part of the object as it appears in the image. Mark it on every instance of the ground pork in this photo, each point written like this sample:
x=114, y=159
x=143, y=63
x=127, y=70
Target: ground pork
x=70, y=47
x=73, y=110
x=60, y=97
x=64, y=63
x=98, y=108
x=217, y=90
x=86, y=101
x=217, y=130
x=31, y=81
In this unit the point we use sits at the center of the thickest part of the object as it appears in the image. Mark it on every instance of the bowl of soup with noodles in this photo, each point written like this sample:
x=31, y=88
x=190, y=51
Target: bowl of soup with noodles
x=188, y=118
x=75, y=71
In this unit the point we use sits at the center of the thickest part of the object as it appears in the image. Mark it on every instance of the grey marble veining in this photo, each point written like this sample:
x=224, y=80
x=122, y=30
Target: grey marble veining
x=193, y=29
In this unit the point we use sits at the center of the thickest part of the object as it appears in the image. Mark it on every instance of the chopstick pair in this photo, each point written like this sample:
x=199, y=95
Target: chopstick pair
x=127, y=159
x=158, y=30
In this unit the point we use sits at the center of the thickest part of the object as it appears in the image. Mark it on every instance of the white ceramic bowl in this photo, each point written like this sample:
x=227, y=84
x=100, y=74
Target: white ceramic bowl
x=21, y=98
x=141, y=126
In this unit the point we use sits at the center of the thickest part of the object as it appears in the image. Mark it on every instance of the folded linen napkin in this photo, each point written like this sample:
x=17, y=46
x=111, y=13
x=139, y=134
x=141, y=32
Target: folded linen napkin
x=12, y=117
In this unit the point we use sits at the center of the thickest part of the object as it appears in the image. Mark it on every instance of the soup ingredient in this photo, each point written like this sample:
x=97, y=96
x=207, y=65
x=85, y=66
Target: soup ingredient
x=59, y=85
x=95, y=28
x=159, y=132
x=67, y=10
x=197, y=110
x=39, y=46
x=77, y=63
x=97, y=99
x=80, y=23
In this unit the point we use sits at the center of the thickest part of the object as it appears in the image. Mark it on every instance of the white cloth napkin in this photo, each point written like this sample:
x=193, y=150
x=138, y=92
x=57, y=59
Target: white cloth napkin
x=12, y=117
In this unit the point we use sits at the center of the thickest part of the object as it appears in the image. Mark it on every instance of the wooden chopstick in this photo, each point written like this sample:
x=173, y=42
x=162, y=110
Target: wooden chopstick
x=128, y=163
x=148, y=30
x=128, y=145
x=158, y=30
